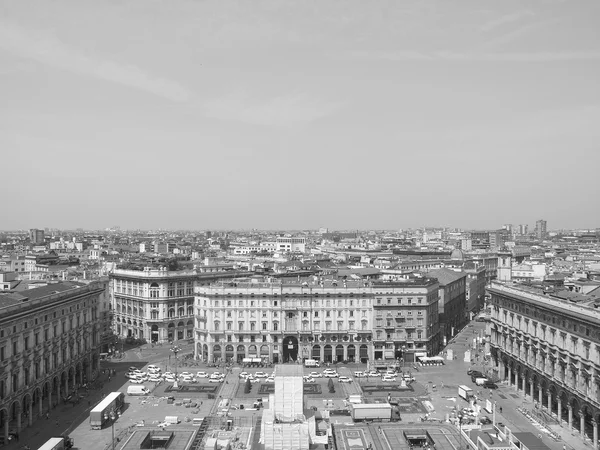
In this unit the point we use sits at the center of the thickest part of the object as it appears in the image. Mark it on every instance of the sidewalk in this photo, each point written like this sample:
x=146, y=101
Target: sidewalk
x=506, y=397
x=63, y=418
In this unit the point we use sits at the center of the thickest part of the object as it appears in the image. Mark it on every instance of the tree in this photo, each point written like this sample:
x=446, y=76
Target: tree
x=248, y=386
x=331, y=386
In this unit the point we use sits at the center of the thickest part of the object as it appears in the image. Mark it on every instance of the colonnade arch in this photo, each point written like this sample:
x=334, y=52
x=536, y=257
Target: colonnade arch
x=565, y=406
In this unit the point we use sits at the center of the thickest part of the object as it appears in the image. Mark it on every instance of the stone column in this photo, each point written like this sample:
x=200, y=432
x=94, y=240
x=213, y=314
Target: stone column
x=549, y=401
x=540, y=396
x=570, y=408
x=6, y=429
x=30, y=412
x=531, y=390
x=559, y=411
x=595, y=429
x=582, y=424
x=523, y=384
x=49, y=400
x=67, y=385
x=19, y=412
x=40, y=406
x=509, y=376
x=517, y=381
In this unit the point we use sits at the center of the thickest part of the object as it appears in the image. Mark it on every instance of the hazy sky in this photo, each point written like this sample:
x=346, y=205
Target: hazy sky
x=299, y=114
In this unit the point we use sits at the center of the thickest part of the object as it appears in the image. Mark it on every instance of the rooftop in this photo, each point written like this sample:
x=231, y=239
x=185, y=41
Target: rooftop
x=446, y=276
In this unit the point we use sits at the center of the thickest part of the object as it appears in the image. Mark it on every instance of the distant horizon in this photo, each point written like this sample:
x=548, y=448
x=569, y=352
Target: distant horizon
x=291, y=230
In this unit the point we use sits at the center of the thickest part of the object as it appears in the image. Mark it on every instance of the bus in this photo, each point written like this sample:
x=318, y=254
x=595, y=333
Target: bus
x=101, y=412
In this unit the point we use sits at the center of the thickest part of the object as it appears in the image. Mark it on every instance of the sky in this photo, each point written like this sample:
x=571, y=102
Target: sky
x=289, y=114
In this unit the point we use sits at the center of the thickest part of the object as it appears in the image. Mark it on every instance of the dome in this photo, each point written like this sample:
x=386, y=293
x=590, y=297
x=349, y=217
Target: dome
x=457, y=254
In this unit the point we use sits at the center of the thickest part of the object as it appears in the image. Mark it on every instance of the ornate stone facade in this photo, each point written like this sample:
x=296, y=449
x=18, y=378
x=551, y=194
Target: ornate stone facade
x=328, y=322
x=49, y=345
x=550, y=350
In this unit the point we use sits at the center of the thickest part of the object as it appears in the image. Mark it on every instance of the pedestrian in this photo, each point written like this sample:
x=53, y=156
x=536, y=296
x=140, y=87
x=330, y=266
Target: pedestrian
x=57, y=423
x=89, y=403
x=501, y=413
x=47, y=416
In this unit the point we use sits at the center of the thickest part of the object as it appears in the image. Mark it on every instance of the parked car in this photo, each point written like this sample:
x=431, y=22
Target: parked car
x=360, y=374
x=170, y=379
x=344, y=379
x=185, y=374
x=373, y=373
x=330, y=375
x=154, y=379
x=153, y=368
x=215, y=380
x=308, y=379
x=244, y=374
x=169, y=374
x=388, y=378
x=136, y=380
x=260, y=375
x=485, y=420
x=316, y=374
x=475, y=373
x=490, y=385
x=134, y=369
x=188, y=379
x=271, y=380
x=202, y=375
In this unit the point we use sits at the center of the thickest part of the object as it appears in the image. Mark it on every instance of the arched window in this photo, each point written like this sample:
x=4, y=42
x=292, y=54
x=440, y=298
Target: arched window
x=154, y=290
x=275, y=326
x=154, y=314
x=252, y=326
x=171, y=313
x=217, y=324
x=190, y=311
x=180, y=312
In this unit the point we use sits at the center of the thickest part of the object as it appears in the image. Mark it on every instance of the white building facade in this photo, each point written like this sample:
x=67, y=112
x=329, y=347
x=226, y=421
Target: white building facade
x=279, y=323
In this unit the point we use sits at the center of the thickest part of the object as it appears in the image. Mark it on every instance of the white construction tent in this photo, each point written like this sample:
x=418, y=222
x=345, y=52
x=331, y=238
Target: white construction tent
x=284, y=425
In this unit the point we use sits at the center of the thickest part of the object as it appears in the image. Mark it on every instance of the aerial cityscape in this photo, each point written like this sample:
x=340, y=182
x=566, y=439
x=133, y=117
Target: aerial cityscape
x=299, y=225
x=277, y=340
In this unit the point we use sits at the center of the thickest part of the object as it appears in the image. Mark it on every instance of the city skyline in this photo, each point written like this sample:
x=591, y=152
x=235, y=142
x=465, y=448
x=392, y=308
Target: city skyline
x=221, y=115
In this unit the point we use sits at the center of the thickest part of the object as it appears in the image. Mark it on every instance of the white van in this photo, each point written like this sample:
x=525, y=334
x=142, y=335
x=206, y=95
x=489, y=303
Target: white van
x=311, y=363
x=137, y=390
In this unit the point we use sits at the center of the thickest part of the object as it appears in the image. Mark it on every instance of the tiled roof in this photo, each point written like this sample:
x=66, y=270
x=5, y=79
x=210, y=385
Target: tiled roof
x=446, y=276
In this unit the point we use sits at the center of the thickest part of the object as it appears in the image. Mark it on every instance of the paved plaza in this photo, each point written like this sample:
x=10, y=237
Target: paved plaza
x=434, y=392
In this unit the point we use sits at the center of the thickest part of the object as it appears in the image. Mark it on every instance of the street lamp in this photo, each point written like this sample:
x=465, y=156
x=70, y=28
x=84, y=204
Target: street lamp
x=112, y=415
x=175, y=349
x=460, y=422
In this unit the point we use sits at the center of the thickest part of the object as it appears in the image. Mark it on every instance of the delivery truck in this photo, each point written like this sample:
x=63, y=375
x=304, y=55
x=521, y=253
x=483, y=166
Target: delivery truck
x=58, y=443
x=371, y=411
x=466, y=393
x=110, y=406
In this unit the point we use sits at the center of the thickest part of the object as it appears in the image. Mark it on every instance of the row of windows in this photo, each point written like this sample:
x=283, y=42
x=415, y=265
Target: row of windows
x=155, y=290
x=252, y=326
x=289, y=315
x=342, y=303
x=29, y=323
